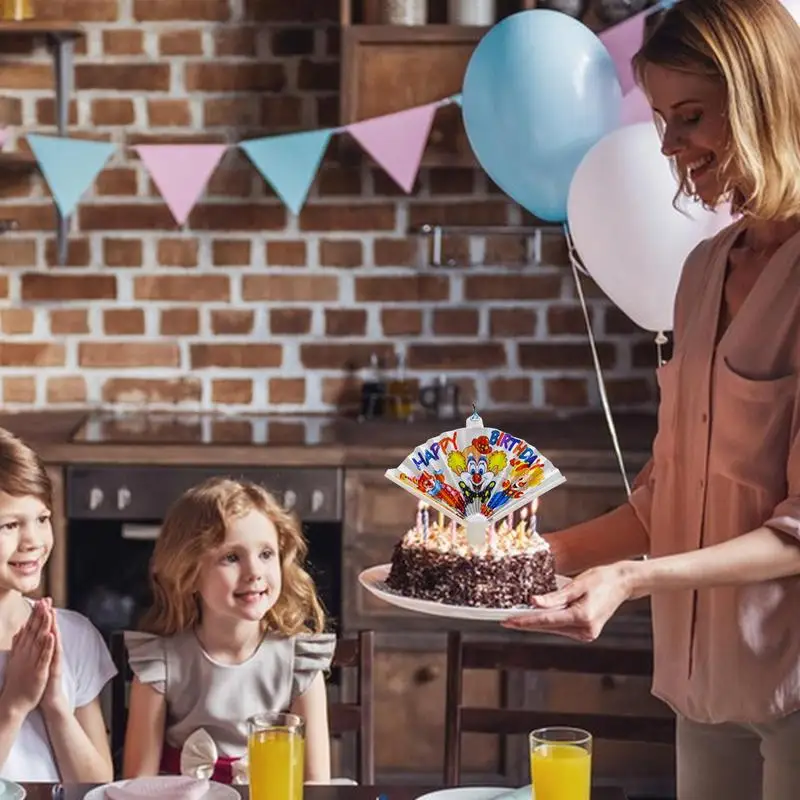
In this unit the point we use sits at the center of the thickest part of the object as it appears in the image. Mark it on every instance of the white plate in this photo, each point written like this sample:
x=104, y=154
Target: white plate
x=374, y=581
x=479, y=793
x=216, y=791
x=11, y=791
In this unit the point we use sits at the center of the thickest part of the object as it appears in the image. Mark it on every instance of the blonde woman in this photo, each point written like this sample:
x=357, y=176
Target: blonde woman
x=717, y=509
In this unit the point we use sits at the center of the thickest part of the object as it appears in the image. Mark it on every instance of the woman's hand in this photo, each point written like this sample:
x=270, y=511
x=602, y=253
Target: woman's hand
x=53, y=698
x=581, y=609
x=28, y=664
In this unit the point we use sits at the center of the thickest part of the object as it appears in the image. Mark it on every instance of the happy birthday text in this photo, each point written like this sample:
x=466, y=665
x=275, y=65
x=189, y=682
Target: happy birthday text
x=496, y=438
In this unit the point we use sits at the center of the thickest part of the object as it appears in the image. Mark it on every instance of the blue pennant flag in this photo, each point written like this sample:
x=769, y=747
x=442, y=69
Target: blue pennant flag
x=456, y=98
x=69, y=166
x=289, y=162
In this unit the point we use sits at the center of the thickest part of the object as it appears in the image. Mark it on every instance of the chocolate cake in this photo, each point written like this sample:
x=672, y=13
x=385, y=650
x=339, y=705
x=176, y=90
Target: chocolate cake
x=435, y=562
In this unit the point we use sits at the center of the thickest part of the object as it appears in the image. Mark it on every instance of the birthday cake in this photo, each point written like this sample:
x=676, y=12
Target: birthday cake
x=435, y=561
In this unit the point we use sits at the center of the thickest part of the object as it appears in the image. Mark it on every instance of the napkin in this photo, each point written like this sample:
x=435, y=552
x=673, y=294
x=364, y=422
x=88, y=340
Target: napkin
x=170, y=787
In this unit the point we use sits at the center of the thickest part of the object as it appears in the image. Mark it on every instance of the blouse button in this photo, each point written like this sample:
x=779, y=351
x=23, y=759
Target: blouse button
x=705, y=418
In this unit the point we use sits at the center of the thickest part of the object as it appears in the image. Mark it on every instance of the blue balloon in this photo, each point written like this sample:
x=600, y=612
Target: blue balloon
x=540, y=90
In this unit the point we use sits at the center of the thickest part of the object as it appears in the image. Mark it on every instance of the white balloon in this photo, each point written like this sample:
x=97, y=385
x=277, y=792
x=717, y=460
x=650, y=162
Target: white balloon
x=630, y=237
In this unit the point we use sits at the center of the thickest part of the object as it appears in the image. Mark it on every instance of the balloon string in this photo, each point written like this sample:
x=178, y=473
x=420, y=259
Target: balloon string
x=597, y=368
x=660, y=340
x=573, y=251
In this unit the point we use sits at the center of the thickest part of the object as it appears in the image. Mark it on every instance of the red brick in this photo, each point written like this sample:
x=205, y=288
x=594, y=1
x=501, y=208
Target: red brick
x=384, y=186
x=549, y=355
x=180, y=321
x=236, y=356
x=17, y=252
x=131, y=217
x=135, y=77
x=21, y=76
x=510, y=390
x=318, y=76
x=30, y=218
x=293, y=41
x=290, y=321
x=287, y=391
x=47, y=286
x=566, y=320
x=340, y=253
x=32, y=354
x=181, y=43
x=232, y=322
x=113, y=111
x=396, y=252
x=14, y=321
x=323, y=355
x=406, y=289
x=235, y=217
x=234, y=77
x=122, y=252
x=506, y=251
x=20, y=389
x=566, y=392
x=232, y=392
x=169, y=113
x=286, y=254
x=193, y=10
x=3, y=285
x=230, y=253
x=334, y=180
x=184, y=137
x=616, y=322
x=18, y=184
x=468, y=213
x=508, y=286
x=118, y=182
x=78, y=10
x=630, y=391
x=512, y=322
x=345, y=322
x=46, y=111
x=401, y=321
x=290, y=288
x=123, y=42
x=554, y=249
x=304, y=11
x=108, y=354
x=343, y=393
x=196, y=288
x=644, y=354
x=11, y=110
x=123, y=321
x=456, y=321
x=178, y=252
x=231, y=182
x=350, y=217
x=235, y=41
x=65, y=321
x=65, y=389
x=281, y=112
x=451, y=180
x=138, y=391
x=236, y=111
x=450, y=355
x=78, y=253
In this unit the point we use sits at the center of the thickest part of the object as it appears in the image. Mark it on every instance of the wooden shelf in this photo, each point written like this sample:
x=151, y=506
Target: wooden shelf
x=34, y=27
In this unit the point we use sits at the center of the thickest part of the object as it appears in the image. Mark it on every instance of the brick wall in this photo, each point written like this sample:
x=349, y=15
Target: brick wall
x=249, y=307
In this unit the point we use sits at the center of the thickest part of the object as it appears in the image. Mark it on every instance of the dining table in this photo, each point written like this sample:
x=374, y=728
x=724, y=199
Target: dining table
x=49, y=791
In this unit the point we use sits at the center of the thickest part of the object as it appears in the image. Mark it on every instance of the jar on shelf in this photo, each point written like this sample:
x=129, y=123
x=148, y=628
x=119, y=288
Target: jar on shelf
x=17, y=10
x=471, y=12
x=405, y=12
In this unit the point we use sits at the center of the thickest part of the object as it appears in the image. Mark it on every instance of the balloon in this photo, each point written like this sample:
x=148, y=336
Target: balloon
x=540, y=89
x=630, y=237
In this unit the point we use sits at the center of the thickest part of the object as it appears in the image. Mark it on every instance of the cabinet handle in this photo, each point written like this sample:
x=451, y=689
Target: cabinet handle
x=426, y=674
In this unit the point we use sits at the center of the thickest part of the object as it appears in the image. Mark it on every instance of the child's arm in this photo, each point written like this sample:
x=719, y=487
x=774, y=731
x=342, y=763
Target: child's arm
x=312, y=706
x=144, y=736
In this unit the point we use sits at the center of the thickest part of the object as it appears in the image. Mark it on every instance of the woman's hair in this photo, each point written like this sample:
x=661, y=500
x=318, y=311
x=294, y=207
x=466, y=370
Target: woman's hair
x=22, y=473
x=752, y=47
x=197, y=524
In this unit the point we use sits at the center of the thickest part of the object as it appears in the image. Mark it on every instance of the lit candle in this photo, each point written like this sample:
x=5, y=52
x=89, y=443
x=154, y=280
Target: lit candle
x=523, y=516
x=441, y=520
x=419, y=515
x=453, y=530
x=426, y=521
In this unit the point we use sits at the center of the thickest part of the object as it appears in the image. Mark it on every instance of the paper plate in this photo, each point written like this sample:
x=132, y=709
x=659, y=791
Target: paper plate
x=374, y=581
x=216, y=791
x=479, y=793
x=11, y=791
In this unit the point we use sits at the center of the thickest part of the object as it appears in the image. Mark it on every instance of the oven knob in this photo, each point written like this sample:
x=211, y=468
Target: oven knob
x=123, y=498
x=317, y=500
x=289, y=499
x=95, y=498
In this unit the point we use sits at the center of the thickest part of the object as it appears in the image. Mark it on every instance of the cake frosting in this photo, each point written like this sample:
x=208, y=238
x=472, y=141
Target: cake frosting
x=435, y=561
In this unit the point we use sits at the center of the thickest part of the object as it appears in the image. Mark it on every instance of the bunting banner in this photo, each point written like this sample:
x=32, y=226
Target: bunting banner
x=636, y=107
x=69, y=166
x=181, y=172
x=289, y=163
x=622, y=41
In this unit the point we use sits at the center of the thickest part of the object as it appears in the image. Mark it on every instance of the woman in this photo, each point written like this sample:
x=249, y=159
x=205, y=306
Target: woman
x=717, y=508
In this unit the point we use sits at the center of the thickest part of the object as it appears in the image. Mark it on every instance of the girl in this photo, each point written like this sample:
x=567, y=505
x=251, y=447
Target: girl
x=235, y=629
x=53, y=663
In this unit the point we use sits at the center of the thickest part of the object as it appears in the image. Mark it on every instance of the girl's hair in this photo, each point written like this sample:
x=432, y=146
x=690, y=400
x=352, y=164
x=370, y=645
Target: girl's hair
x=22, y=473
x=196, y=524
x=752, y=47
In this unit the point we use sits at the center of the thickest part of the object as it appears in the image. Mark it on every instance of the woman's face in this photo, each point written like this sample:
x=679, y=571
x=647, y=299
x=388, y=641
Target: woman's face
x=693, y=110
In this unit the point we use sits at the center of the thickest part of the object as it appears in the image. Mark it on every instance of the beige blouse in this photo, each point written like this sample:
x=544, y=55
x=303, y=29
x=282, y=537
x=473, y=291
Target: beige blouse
x=202, y=693
x=726, y=460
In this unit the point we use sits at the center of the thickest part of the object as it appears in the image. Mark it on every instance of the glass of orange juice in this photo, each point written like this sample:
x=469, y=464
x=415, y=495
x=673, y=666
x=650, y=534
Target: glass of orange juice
x=275, y=750
x=561, y=763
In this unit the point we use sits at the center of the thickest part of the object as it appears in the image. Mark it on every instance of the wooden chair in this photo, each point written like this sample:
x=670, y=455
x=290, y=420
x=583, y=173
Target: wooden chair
x=533, y=656
x=354, y=717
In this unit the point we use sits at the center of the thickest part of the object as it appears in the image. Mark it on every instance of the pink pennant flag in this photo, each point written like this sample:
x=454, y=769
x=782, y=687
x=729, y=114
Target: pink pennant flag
x=397, y=141
x=636, y=107
x=622, y=41
x=180, y=171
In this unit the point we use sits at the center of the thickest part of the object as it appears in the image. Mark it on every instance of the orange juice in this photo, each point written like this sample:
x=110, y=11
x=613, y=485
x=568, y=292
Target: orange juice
x=275, y=764
x=561, y=772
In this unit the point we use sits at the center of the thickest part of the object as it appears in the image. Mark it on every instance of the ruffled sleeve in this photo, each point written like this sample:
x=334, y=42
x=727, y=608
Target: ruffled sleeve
x=313, y=653
x=147, y=658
